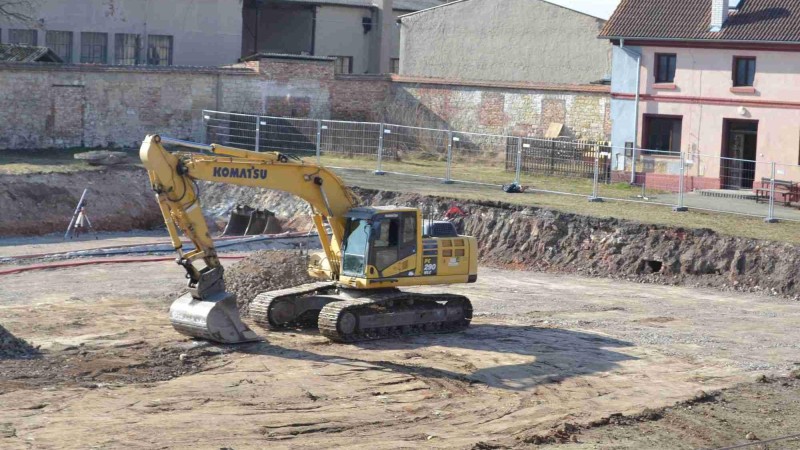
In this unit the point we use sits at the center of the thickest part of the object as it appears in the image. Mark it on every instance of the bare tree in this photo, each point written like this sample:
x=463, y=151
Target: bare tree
x=17, y=10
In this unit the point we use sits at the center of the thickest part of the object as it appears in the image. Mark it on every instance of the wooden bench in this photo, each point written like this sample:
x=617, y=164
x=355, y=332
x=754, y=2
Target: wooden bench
x=788, y=190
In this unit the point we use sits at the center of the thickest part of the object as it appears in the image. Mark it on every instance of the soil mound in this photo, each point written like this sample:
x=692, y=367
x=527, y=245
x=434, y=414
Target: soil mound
x=118, y=200
x=265, y=271
x=12, y=347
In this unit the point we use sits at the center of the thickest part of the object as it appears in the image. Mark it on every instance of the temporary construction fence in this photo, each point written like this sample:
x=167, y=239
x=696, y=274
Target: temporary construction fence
x=595, y=170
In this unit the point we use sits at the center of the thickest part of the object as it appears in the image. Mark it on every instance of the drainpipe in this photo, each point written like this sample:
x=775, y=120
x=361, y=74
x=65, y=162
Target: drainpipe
x=636, y=114
x=313, y=30
x=258, y=25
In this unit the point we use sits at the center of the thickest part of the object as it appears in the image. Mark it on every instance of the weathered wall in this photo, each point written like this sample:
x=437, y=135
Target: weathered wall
x=522, y=109
x=205, y=32
x=46, y=105
x=360, y=98
x=510, y=40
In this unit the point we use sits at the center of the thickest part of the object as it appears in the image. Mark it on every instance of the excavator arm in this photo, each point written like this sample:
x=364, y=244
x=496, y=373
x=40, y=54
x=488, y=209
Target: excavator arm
x=173, y=177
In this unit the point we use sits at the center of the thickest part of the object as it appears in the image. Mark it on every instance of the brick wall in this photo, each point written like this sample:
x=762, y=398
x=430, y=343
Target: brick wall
x=360, y=97
x=44, y=105
x=48, y=105
x=523, y=109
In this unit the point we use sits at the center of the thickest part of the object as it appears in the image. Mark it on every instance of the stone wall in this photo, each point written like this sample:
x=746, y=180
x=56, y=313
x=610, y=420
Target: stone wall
x=58, y=106
x=522, y=109
x=43, y=106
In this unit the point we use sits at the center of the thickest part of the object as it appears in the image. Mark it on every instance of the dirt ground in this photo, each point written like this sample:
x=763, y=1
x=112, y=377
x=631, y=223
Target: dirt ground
x=549, y=357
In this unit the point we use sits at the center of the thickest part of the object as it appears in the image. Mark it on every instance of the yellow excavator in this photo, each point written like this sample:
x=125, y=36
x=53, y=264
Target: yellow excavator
x=369, y=253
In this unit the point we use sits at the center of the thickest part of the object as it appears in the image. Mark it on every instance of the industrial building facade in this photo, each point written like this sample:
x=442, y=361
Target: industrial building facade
x=358, y=33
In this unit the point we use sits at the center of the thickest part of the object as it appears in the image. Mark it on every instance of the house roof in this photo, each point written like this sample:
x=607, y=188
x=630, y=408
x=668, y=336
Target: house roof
x=775, y=21
x=27, y=53
x=404, y=5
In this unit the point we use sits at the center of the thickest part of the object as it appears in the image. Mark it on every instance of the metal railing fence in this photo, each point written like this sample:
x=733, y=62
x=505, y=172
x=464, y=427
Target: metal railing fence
x=594, y=169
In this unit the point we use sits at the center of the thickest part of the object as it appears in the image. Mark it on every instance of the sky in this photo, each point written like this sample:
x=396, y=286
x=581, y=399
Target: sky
x=599, y=8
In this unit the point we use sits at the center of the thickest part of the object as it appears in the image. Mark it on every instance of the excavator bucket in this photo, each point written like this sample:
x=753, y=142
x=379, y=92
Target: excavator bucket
x=216, y=319
x=246, y=221
x=238, y=222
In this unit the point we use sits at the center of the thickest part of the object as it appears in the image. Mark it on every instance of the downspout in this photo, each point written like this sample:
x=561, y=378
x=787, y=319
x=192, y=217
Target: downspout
x=636, y=113
x=313, y=29
x=258, y=25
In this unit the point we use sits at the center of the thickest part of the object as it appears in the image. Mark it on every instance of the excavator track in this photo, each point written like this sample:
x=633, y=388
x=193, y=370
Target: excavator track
x=394, y=314
x=282, y=309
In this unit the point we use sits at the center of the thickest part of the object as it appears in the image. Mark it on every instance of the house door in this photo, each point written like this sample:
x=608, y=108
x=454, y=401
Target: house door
x=739, y=154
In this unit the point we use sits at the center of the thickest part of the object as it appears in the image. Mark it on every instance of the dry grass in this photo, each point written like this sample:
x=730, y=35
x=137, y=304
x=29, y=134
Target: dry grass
x=19, y=162
x=480, y=171
x=729, y=224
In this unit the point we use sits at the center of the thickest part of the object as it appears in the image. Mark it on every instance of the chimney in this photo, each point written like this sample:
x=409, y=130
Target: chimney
x=719, y=14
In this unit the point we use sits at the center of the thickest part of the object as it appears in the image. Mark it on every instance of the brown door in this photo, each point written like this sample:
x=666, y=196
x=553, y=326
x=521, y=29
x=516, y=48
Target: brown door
x=739, y=153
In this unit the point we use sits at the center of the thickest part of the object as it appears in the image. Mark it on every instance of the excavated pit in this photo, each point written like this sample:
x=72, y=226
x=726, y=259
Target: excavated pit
x=509, y=235
x=522, y=237
x=119, y=199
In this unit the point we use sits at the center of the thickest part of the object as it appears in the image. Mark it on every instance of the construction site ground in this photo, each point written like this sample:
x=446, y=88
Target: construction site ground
x=550, y=361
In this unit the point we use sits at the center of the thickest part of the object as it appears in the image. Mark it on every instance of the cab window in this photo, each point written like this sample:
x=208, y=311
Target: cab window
x=355, y=247
x=387, y=242
x=409, y=229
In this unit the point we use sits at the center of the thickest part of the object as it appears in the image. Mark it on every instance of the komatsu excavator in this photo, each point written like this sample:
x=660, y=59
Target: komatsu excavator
x=369, y=253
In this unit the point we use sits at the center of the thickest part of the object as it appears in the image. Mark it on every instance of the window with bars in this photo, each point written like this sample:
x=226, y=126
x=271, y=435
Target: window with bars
x=24, y=37
x=60, y=42
x=94, y=48
x=665, y=67
x=394, y=65
x=126, y=49
x=343, y=64
x=159, y=50
x=744, y=71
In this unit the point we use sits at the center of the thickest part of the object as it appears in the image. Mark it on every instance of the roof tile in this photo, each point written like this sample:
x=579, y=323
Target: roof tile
x=755, y=20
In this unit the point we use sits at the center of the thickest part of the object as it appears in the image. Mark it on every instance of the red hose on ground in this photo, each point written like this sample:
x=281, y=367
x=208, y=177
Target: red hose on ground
x=62, y=265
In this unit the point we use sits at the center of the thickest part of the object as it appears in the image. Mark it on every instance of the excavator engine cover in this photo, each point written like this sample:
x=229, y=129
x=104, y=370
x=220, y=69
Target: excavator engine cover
x=216, y=319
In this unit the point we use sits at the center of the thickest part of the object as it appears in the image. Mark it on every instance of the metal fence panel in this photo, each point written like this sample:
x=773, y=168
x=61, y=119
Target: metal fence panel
x=555, y=165
x=786, y=198
x=350, y=144
x=297, y=137
x=578, y=167
x=414, y=150
x=655, y=178
x=725, y=184
x=481, y=158
x=230, y=129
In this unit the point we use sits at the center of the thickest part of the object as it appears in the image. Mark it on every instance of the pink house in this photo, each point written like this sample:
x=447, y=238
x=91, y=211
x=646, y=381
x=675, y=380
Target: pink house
x=718, y=80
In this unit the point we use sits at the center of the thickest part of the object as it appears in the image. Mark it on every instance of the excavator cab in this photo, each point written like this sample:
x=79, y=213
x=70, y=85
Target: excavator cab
x=392, y=247
x=379, y=242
